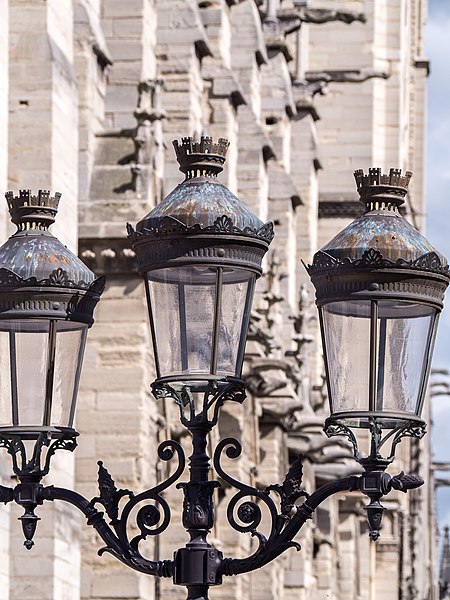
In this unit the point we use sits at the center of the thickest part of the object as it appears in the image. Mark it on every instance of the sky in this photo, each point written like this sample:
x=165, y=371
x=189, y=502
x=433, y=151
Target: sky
x=438, y=204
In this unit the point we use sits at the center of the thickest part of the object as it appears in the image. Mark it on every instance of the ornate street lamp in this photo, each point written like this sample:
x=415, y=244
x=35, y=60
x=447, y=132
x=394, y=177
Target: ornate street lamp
x=379, y=286
x=47, y=299
x=200, y=253
x=379, y=290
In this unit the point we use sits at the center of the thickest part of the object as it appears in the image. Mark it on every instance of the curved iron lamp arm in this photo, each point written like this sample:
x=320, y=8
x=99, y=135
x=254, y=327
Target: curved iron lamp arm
x=285, y=525
x=152, y=518
x=127, y=554
x=276, y=545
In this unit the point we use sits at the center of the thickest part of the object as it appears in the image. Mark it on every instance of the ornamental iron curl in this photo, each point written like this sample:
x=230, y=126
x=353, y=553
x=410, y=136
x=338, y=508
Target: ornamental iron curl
x=414, y=429
x=32, y=467
x=250, y=513
x=149, y=519
x=57, y=278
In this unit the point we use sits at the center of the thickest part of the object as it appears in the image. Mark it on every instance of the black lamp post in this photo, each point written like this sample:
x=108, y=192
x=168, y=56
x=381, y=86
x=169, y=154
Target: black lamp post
x=379, y=286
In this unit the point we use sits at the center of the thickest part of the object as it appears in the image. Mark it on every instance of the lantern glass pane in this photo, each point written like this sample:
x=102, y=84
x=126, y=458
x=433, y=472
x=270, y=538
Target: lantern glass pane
x=234, y=319
x=347, y=349
x=6, y=418
x=185, y=303
x=405, y=332
x=70, y=344
x=31, y=360
x=392, y=377
x=40, y=365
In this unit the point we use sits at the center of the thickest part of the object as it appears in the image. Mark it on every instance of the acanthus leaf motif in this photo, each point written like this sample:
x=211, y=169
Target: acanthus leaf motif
x=109, y=494
x=59, y=277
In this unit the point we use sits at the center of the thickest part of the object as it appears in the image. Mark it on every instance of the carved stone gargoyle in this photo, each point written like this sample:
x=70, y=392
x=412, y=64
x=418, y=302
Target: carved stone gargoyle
x=345, y=76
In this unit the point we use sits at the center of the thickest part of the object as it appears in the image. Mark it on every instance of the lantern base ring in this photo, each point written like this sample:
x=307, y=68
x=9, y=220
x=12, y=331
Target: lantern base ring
x=199, y=398
x=33, y=468
x=25, y=432
x=399, y=426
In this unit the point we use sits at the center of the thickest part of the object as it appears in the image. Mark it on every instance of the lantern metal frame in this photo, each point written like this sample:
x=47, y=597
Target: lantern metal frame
x=52, y=287
x=375, y=274
x=287, y=506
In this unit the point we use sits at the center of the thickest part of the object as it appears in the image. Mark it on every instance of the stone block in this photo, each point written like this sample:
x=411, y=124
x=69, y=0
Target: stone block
x=113, y=379
x=125, y=49
x=116, y=584
x=118, y=8
x=113, y=150
x=125, y=73
x=127, y=28
x=121, y=98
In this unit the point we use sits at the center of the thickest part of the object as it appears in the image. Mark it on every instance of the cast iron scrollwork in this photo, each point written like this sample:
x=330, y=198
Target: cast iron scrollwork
x=411, y=429
x=377, y=439
x=151, y=520
x=373, y=259
x=332, y=429
x=250, y=515
x=222, y=225
x=291, y=488
x=32, y=467
x=57, y=278
x=213, y=399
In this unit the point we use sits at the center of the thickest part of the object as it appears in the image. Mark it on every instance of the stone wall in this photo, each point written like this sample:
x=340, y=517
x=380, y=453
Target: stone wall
x=92, y=94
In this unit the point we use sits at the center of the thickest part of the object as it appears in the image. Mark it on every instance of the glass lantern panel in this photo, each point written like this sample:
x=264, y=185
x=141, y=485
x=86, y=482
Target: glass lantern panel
x=69, y=352
x=6, y=410
x=237, y=296
x=40, y=365
x=405, y=334
x=392, y=340
x=185, y=303
x=346, y=331
x=29, y=359
x=182, y=309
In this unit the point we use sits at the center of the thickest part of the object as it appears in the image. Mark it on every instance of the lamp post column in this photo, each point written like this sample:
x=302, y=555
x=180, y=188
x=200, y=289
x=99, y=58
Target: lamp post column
x=197, y=564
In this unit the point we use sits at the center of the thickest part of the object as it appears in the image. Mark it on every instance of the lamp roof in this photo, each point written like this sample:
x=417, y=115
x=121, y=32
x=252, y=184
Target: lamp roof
x=201, y=201
x=201, y=221
x=33, y=252
x=381, y=233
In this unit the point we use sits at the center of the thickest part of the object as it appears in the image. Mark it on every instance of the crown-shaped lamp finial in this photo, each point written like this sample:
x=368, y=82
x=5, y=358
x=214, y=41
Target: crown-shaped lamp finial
x=382, y=191
x=32, y=211
x=201, y=159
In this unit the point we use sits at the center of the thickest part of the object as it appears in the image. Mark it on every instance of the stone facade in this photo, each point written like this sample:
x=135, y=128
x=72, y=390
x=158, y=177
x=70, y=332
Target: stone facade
x=92, y=92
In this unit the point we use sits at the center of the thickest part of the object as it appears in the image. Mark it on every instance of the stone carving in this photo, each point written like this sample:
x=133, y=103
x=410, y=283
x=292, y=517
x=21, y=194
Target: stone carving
x=345, y=76
x=108, y=256
x=263, y=319
x=318, y=16
x=147, y=137
x=266, y=376
x=287, y=21
x=304, y=92
x=309, y=439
